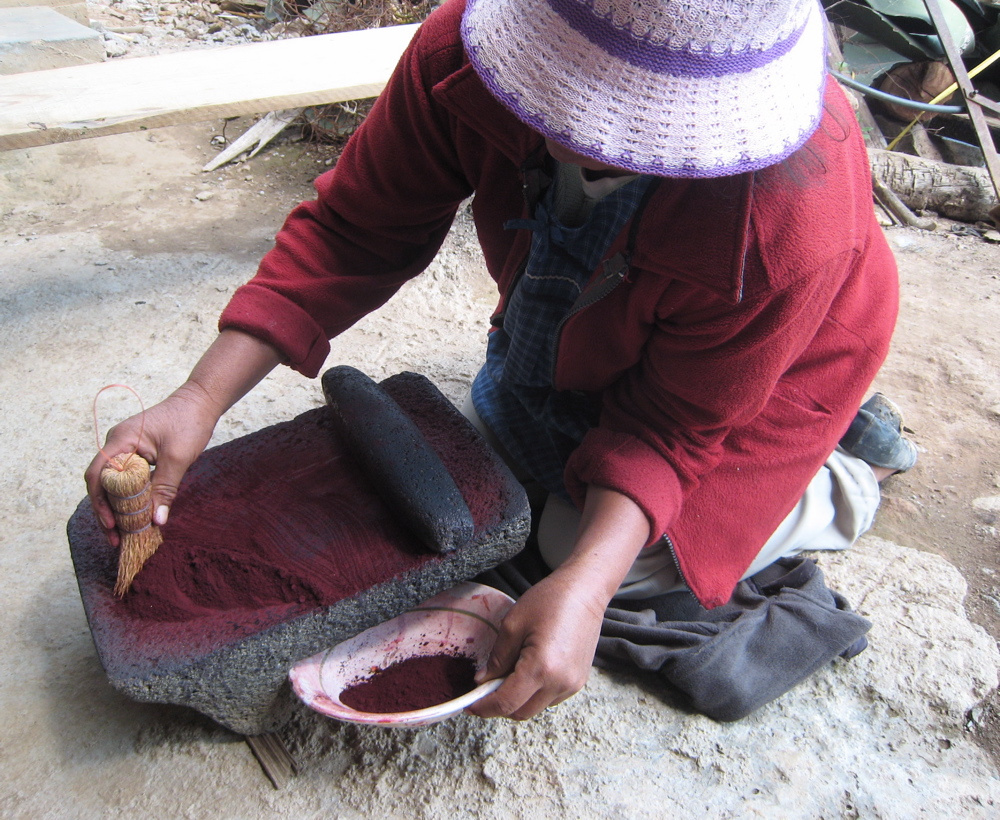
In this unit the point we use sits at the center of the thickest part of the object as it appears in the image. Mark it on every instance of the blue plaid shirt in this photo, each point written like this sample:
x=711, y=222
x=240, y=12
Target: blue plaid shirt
x=513, y=392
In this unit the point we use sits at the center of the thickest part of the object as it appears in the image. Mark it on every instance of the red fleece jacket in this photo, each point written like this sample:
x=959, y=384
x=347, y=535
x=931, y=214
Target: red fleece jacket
x=755, y=314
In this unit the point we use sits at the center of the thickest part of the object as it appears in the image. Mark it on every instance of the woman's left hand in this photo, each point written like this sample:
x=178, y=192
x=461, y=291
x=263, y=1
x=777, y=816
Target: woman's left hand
x=546, y=647
x=547, y=641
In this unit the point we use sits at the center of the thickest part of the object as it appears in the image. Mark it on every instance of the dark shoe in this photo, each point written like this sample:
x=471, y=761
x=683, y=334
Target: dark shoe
x=876, y=436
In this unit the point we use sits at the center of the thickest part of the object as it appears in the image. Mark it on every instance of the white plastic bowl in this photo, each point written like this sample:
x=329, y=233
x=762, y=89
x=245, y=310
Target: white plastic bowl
x=463, y=620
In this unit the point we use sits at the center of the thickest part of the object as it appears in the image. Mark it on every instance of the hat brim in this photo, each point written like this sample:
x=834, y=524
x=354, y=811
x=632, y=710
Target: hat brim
x=628, y=115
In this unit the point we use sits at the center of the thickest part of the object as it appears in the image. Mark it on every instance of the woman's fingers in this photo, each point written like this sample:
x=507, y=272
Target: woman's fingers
x=170, y=435
x=531, y=688
x=545, y=647
x=166, y=482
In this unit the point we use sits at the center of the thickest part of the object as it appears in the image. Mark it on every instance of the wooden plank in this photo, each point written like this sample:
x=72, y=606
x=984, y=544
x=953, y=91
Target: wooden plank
x=42, y=107
x=55, y=4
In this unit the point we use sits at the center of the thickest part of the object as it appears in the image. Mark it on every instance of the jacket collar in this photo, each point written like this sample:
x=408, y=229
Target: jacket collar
x=464, y=96
x=701, y=232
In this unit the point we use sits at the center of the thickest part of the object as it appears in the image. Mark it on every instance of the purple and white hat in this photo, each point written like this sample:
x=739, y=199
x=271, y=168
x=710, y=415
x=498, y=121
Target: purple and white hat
x=676, y=88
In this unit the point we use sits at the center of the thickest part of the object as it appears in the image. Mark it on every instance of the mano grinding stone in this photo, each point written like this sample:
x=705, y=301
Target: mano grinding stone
x=278, y=547
x=397, y=459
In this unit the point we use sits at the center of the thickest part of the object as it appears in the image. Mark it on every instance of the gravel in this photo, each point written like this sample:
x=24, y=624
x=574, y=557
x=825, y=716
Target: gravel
x=137, y=28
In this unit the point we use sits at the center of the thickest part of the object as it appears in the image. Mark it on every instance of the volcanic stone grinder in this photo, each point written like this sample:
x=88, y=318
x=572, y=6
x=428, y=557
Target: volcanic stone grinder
x=433, y=503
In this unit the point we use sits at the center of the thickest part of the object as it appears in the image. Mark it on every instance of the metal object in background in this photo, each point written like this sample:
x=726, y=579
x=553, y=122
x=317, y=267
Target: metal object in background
x=974, y=100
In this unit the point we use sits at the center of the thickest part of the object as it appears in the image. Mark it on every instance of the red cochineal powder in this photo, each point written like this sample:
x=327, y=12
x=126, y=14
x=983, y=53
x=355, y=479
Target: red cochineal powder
x=284, y=519
x=414, y=683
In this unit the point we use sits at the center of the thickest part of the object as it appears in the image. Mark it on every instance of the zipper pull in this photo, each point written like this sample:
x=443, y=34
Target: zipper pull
x=615, y=268
x=535, y=181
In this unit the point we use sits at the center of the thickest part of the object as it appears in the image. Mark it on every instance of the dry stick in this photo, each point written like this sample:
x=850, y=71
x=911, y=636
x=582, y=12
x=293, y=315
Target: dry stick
x=956, y=191
x=894, y=205
x=274, y=758
x=126, y=481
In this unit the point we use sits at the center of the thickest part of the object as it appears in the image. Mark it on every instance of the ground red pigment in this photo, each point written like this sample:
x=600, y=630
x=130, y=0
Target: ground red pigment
x=280, y=518
x=274, y=528
x=284, y=518
x=414, y=683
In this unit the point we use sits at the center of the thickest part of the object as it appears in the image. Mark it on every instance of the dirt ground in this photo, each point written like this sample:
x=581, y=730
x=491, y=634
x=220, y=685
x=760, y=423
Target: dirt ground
x=88, y=214
x=943, y=372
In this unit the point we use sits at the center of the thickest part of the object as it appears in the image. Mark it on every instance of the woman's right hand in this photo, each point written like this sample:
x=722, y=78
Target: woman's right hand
x=169, y=435
x=172, y=434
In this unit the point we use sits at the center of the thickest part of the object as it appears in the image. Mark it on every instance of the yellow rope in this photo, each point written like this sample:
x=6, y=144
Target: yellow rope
x=945, y=94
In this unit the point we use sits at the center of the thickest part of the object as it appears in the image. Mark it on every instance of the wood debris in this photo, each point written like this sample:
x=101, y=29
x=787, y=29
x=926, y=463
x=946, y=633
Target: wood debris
x=256, y=137
x=247, y=7
x=274, y=758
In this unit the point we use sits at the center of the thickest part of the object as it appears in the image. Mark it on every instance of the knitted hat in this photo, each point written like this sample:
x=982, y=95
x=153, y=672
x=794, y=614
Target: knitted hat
x=678, y=88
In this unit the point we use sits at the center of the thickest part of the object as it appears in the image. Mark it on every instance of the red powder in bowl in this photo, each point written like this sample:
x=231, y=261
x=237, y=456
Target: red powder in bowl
x=414, y=683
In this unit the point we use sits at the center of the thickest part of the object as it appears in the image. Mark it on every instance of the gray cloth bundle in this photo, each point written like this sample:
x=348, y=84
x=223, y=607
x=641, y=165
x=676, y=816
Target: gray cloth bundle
x=780, y=626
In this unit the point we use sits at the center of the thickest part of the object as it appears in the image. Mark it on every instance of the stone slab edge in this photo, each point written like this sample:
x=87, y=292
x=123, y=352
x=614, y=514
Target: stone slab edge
x=73, y=9
x=38, y=38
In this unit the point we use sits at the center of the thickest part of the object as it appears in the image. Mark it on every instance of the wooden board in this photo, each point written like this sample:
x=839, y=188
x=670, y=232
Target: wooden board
x=41, y=107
